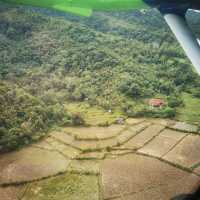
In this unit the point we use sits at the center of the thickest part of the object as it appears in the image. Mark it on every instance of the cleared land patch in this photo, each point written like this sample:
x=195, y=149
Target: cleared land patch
x=133, y=174
x=146, y=135
x=104, y=162
x=94, y=132
x=187, y=152
x=30, y=164
x=162, y=143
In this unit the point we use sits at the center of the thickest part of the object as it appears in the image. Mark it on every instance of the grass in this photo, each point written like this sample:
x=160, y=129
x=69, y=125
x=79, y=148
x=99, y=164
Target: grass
x=94, y=115
x=68, y=186
x=190, y=112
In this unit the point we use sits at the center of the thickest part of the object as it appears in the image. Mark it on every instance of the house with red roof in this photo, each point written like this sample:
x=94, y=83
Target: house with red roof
x=157, y=103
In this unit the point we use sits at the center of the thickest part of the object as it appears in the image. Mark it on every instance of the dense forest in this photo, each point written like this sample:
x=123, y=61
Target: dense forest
x=110, y=60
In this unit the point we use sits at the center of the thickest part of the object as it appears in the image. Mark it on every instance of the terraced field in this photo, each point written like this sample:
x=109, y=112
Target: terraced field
x=142, y=159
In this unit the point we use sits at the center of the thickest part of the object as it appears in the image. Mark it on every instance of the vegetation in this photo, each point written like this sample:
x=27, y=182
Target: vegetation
x=65, y=186
x=111, y=62
x=190, y=112
x=95, y=115
x=25, y=118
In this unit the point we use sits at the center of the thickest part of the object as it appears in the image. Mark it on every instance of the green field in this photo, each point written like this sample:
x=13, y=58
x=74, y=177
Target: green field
x=190, y=112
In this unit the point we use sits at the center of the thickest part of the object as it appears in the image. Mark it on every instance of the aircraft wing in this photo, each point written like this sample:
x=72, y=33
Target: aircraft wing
x=185, y=36
x=60, y=5
x=86, y=12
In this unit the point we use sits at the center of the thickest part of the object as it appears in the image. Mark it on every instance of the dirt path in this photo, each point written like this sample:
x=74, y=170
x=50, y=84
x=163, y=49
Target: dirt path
x=143, y=159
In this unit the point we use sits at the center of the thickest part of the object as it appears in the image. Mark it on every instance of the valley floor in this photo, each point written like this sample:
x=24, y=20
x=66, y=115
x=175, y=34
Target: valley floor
x=141, y=159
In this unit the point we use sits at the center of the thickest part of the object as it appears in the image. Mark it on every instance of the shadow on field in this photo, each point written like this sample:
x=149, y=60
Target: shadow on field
x=193, y=196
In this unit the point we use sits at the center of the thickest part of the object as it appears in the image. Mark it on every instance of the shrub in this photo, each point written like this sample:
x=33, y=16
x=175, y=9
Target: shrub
x=196, y=93
x=174, y=101
x=77, y=119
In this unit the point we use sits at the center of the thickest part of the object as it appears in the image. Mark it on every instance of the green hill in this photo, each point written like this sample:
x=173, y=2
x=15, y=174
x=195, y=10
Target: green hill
x=115, y=61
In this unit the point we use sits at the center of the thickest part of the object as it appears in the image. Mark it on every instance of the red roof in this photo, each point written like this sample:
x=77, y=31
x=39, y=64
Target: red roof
x=156, y=102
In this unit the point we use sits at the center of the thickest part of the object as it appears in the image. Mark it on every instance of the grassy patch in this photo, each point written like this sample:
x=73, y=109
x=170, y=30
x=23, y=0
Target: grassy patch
x=68, y=186
x=191, y=110
x=94, y=115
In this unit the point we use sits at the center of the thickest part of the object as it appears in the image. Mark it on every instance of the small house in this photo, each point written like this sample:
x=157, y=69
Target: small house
x=157, y=103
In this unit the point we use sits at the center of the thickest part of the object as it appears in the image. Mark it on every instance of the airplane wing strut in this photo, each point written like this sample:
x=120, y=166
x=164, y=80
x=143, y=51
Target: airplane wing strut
x=185, y=36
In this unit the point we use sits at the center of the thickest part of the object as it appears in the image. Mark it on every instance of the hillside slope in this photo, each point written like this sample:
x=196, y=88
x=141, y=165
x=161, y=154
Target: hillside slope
x=111, y=60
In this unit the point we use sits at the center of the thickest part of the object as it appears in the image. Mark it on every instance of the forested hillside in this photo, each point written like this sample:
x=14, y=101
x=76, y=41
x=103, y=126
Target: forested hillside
x=116, y=61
